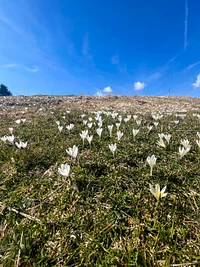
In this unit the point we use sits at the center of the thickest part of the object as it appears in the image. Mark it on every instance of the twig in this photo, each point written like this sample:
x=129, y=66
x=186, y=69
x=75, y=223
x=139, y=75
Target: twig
x=183, y=264
x=22, y=214
x=20, y=245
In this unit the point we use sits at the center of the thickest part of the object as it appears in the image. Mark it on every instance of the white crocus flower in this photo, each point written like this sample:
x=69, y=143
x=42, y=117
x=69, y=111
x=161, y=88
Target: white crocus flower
x=85, y=122
x=89, y=138
x=185, y=143
x=110, y=127
x=135, y=117
x=23, y=120
x=120, y=118
x=99, y=131
x=57, y=122
x=64, y=169
x=72, y=151
x=156, y=192
x=119, y=135
x=60, y=128
x=118, y=125
x=151, y=161
x=167, y=137
x=83, y=135
x=70, y=126
x=138, y=122
x=198, y=143
x=135, y=132
x=183, y=151
x=18, y=121
x=176, y=122
x=100, y=124
x=126, y=119
x=21, y=144
x=150, y=127
x=112, y=148
x=156, y=123
x=11, y=130
x=161, y=135
x=198, y=134
x=10, y=138
x=161, y=143
x=4, y=138
x=90, y=125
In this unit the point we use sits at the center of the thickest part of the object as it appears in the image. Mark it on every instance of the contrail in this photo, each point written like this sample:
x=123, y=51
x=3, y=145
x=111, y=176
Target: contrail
x=186, y=24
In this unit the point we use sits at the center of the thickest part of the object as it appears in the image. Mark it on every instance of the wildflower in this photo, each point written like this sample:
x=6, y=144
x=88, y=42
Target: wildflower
x=21, y=144
x=167, y=137
x=198, y=133
x=156, y=192
x=100, y=124
x=150, y=127
x=60, y=128
x=127, y=118
x=156, y=123
x=135, y=132
x=118, y=125
x=90, y=125
x=183, y=151
x=161, y=143
x=176, y=121
x=64, y=169
x=161, y=135
x=4, y=138
x=119, y=135
x=23, y=120
x=58, y=123
x=151, y=161
x=99, y=131
x=10, y=130
x=138, y=122
x=198, y=143
x=73, y=152
x=85, y=122
x=113, y=148
x=70, y=126
x=89, y=138
x=185, y=143
x=18, y=121
x=135, y=117
x=110, y=127
x=120, y=118
x=83, y=135
x=10, y=138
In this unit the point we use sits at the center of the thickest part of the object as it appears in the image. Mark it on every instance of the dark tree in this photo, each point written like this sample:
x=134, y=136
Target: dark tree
x=4, y=90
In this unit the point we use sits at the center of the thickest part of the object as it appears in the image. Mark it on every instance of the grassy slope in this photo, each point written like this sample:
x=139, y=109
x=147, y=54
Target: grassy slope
x=107, y=215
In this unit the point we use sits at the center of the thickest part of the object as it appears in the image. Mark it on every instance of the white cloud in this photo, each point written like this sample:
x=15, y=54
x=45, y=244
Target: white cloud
x=191, y=66
x=115, y=60
x=107, y=89
x=34, y=69
x=197, y=83
x=18, y=66
x=99, y=93
x=186, y=24
x=139, y=86
x=12, y=65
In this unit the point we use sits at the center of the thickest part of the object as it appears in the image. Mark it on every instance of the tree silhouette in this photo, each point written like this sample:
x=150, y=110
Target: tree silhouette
x=4, y=90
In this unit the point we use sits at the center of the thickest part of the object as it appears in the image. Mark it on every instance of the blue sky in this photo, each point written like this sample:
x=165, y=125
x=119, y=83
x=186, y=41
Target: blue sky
x=93, y=47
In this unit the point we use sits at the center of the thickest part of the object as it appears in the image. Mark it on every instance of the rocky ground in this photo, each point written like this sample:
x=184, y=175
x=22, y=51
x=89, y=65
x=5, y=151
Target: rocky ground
x=30, y=105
